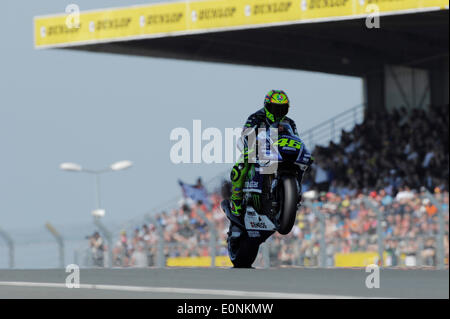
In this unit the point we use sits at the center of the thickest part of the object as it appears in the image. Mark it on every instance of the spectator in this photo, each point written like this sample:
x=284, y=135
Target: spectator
x=97, y=249
x=139, y=257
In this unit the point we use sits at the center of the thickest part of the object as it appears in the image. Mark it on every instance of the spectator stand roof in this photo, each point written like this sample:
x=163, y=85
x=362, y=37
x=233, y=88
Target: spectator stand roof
x=275, y=33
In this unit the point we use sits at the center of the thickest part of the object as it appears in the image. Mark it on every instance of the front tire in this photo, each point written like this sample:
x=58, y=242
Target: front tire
x=288, y=204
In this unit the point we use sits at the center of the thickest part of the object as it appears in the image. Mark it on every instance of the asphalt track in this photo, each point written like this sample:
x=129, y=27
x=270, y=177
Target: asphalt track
x=225, y=283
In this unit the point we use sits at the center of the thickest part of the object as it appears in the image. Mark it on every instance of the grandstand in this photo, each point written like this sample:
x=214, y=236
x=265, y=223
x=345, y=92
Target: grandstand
x=404, y=66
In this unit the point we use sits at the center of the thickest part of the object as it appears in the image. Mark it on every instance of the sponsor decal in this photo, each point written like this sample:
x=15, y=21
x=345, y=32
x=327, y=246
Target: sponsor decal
x=119, y=23
x=267, y=8
x=59, y=29
x=258, y=225
x=382, y=1
x=216, y=13
x=287, y=148
x=251, y=184
x=258, y=222
x=320, y=4
x=167, y=18
x=253, y=234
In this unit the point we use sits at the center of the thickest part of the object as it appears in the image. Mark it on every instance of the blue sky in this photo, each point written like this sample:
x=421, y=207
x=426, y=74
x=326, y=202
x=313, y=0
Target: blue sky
x=95, y=109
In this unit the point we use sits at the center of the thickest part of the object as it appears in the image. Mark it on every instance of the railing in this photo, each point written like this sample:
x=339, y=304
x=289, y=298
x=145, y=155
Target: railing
x=331, y=129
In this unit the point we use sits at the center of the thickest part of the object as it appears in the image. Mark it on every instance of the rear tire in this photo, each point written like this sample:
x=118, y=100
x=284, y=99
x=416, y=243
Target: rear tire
x=242, y=251
x=288, y=204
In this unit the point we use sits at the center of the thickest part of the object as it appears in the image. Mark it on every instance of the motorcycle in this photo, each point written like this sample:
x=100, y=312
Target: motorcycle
x=271, y=193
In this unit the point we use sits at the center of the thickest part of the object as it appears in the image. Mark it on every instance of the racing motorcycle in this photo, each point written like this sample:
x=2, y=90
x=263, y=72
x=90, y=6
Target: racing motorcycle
x=271, y=193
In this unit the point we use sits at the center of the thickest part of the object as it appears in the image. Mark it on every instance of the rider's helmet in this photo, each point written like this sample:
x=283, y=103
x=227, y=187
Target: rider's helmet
x=276, y=105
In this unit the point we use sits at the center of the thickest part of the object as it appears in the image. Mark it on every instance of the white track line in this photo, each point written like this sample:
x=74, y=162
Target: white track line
x=188, y=291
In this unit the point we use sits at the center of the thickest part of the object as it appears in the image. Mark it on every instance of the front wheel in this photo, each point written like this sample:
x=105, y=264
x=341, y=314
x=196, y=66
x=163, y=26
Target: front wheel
x=288, y=204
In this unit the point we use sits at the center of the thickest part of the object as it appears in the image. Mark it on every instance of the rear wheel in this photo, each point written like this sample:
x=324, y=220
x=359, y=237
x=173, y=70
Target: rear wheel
x=288, y=195
x=242, y=251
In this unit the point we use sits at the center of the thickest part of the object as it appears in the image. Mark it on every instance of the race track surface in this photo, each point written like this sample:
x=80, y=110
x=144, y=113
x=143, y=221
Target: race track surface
x=225, y=283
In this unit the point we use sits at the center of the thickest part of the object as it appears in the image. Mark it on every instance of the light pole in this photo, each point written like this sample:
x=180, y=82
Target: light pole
x=99, y=212
x=118, y=166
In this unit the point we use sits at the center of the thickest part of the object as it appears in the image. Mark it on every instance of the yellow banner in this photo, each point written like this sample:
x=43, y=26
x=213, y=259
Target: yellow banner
x=204, y=16
x=357, y=259
x=221, y=261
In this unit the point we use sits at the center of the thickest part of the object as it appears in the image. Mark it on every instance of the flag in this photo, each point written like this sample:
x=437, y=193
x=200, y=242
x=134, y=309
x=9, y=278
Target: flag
x=195, y=193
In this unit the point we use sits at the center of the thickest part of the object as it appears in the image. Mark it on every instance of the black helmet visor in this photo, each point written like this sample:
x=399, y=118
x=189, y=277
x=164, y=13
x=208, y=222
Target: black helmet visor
x=278, y=110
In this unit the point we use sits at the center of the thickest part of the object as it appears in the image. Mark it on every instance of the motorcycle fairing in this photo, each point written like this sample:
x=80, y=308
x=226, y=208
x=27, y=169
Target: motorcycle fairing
x=260, y=234
x=254, y=221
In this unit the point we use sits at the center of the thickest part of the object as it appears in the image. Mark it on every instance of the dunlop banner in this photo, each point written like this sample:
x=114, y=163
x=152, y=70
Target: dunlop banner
x=356, y=259
x=220, y=261
x=179, y=18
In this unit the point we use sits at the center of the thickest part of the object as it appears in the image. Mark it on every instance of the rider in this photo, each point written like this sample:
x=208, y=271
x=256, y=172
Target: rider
x=276, y=106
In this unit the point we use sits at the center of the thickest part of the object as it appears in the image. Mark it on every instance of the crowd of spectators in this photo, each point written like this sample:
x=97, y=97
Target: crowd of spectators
x=409, y=229
x=185, y=234
x=138, y=250
x=387, y=151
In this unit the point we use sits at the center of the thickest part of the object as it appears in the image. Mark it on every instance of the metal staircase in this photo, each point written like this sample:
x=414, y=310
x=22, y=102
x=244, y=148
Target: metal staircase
x=331, y=129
